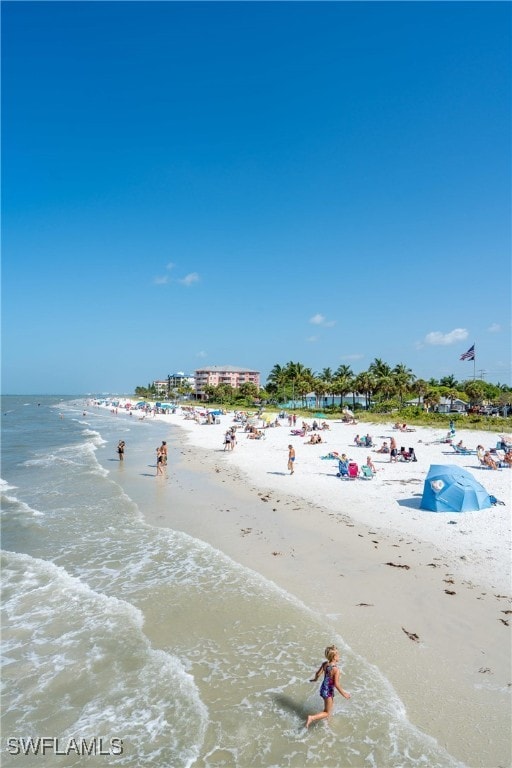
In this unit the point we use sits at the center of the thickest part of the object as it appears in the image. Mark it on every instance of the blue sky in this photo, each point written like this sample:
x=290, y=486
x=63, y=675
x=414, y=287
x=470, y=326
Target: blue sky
x=195, y=183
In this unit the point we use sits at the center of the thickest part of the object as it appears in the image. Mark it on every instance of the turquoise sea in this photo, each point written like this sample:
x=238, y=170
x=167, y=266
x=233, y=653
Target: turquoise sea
x=130, y=645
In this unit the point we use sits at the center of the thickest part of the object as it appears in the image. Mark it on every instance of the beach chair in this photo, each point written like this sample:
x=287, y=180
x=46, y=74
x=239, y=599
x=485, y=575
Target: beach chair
x=353, y=470
x=343, y=469
x=366, y=472
x=500, y=456
x=463, y=451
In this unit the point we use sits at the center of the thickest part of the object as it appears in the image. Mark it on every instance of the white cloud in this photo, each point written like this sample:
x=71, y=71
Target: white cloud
x=189, y=279
x=352, y=357
x=170, y=266
x=161, y=280
x=319, y=319
x=494, y=328
x=201, y=354
x=436, y=338
x=312, y=339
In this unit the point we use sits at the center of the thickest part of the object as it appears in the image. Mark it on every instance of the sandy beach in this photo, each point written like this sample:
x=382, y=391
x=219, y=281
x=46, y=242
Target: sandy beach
x=424, y=596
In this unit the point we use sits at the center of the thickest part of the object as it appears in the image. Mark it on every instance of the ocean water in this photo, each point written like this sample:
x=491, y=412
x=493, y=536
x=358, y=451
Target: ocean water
x=141, y=646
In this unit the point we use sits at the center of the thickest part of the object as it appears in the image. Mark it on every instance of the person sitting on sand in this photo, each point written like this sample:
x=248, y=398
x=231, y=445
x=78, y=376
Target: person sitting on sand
x=507, y=459
x=489, y=461
x=325, y=425
x=384, y=448
x=314, y=440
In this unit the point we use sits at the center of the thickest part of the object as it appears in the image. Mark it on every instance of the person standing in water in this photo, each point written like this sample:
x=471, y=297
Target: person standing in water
x=160, y=463
x=120, y=450
x=330, y=683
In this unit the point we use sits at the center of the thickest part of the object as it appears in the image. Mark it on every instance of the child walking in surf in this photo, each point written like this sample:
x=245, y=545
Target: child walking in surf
x=330, y=683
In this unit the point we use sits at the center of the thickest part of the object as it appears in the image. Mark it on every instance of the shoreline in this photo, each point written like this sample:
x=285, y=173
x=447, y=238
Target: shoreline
x=454, y=680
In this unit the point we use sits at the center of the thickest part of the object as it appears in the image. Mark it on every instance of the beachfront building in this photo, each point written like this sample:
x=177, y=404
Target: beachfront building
x=214, y=375
x=174, y=382
x=445, y=405
x=352, y=400
x=180, y=379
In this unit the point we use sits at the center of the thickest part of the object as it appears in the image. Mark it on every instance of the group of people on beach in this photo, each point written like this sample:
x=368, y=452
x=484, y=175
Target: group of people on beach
x=161, y=455
x=230, y=439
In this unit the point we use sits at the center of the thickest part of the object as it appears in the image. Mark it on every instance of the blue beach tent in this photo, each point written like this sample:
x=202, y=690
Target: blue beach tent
x=452, y=489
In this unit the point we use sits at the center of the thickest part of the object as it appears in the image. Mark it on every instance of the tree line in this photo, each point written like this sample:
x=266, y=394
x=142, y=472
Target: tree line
x=381, y=385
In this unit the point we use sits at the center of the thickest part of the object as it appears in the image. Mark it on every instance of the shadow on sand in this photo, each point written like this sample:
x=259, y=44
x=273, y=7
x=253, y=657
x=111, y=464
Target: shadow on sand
x=412, y=503
x=291, y=706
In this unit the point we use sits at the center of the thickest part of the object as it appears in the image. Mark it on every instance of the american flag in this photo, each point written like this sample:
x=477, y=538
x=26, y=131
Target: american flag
x=469, y=355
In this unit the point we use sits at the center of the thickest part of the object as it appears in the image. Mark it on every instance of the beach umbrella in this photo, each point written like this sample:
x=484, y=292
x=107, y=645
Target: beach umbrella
x=449, y=488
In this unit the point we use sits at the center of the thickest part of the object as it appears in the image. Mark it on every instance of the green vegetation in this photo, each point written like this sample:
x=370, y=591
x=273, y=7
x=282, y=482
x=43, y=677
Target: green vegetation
x=387, y=392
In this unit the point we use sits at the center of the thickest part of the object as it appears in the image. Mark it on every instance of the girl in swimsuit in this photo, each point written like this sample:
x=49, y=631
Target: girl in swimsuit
x=330, y=683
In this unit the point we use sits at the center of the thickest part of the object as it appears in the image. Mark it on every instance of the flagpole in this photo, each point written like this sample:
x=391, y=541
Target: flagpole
x=474, y=362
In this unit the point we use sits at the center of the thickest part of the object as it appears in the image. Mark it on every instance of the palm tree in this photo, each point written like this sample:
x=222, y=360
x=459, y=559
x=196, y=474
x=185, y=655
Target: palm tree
x=452, y=394
x=449, y=381
x=210, y=391
x=386, y=386
x=327, y=377
x=475, y=391
x=431, y=398
x=420, y=388
x=365, y=383
x=276, y=380
x=379, y=368
x=345, y=373
x=293, y=372
x=341, y=386
x=343, y=370
x=404, y=379
x=320, y=388
x=303, y=386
